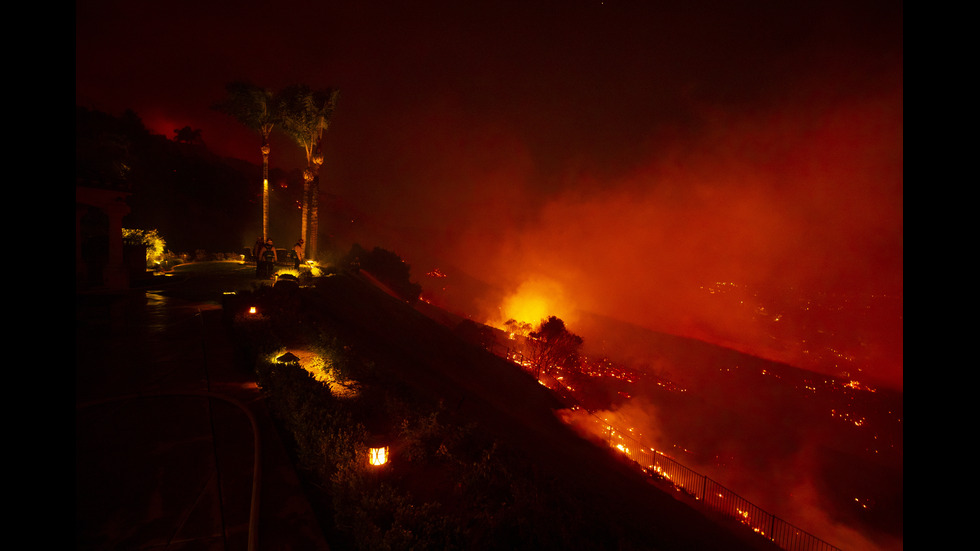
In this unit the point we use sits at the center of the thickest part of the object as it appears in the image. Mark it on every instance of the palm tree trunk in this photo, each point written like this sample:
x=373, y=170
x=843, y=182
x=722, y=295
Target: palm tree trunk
x=314, y=216
x=265, y=192
x=316, y=161
x=306, y=208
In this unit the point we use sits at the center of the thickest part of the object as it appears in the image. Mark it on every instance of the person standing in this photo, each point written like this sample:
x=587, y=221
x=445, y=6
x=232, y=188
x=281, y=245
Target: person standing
x=268, y=260
x=298, y=253
x=257, y=249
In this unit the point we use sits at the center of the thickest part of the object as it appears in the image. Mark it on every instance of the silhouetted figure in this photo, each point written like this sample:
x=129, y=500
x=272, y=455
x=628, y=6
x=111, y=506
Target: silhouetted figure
x=267, y=260
x=257, y=249
x=298, y=253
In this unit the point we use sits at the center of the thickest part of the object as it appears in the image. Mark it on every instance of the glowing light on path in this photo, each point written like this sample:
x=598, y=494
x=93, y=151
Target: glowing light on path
x=378, y=456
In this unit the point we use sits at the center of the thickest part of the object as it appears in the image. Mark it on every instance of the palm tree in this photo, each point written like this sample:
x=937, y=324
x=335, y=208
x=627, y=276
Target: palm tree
x=306, y=115
x=256, y=108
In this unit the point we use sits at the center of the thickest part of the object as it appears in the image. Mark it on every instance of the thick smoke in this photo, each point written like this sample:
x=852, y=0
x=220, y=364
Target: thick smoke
x=630, y=154
x=797, y=216
x=776, y=232
x=728, y=235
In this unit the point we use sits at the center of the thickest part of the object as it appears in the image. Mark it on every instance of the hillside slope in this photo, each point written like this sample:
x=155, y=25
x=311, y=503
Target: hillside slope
x=508, y=404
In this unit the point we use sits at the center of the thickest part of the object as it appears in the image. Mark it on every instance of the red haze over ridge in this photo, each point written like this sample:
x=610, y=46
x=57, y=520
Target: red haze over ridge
x=622, y=156
x=796, y=204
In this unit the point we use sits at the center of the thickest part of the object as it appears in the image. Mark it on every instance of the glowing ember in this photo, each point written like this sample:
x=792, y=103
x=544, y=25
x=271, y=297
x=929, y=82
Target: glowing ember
x=252, y=310
x=378, y=456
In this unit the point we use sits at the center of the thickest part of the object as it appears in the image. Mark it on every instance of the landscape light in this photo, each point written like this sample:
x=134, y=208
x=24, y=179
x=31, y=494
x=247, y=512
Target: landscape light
x=378, y=456
x=378, y=453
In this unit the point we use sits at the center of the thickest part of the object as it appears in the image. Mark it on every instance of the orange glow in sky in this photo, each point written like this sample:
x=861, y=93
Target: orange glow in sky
x=535, y=300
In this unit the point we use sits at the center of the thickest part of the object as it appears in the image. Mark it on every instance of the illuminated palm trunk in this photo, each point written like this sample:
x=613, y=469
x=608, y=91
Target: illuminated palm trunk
x=258, y=109
x=316, y=162
x=307, y=115
x=314, y=216
x=305, y=212
x=265, y=192
x=311, y=203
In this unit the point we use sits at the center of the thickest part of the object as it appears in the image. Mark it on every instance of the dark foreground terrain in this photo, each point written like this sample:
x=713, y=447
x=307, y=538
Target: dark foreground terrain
x=604, y=497
x=479, y=458
x=511, y=476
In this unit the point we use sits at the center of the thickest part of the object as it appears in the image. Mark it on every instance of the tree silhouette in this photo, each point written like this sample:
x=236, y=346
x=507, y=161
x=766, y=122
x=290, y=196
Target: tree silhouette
x=515, y=327
x=306, y=115
x=104, y=147
x=387, y=267
x=257, y=109
x=188, y=135
x=553, y=347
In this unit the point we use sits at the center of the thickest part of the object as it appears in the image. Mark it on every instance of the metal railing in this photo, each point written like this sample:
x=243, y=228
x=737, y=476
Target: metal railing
x=710, y=493
x=720, y=499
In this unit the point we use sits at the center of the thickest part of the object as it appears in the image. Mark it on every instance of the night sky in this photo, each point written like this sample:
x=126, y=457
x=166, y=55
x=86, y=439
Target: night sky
x=612, y=157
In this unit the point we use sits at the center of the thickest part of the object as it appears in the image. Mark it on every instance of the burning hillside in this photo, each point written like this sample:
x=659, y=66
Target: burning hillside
x=824, y=452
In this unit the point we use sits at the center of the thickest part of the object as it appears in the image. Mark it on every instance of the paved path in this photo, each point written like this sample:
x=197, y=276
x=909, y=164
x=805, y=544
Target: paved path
x=174, y=447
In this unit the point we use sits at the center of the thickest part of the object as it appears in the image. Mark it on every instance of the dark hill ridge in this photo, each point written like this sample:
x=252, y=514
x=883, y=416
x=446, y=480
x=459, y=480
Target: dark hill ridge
x=727, y=379
x=687, y=359
x=477, y=387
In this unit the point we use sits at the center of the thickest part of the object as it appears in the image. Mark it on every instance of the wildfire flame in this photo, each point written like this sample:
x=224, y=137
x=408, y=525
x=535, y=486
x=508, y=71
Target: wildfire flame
x=533, y=301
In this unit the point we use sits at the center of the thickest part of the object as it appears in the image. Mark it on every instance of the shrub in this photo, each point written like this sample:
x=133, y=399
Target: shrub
x=385, y=265
x=155, y=245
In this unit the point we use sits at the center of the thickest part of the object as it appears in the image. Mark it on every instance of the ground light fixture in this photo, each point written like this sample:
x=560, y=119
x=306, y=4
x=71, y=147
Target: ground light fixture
x=378, y=452
x=378, y=456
